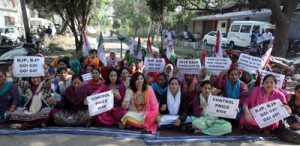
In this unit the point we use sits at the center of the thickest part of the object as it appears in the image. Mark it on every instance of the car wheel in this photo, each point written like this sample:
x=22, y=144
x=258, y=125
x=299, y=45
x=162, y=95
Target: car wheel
x=204, y=43
x=231, y=45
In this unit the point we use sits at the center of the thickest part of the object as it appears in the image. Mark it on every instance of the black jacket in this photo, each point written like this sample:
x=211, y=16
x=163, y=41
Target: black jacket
x=183, y=110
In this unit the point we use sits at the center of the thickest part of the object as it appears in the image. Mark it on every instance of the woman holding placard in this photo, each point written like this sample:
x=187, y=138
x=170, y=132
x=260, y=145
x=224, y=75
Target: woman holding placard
x=141, y=105
x=232, y=87
x=9, y=97
x=258, y=96
x=173, y=105
x=36, y=110
x=72, y=108
x=204, y=123
x=96, y=80
x=161, y=86
x=113, y=83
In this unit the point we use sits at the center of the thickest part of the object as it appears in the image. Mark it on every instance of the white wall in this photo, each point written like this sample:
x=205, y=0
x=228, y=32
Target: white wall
x=219, y=25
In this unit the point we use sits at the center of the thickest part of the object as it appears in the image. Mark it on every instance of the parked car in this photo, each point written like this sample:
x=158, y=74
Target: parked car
x=210, y=38
x=240, y=32
x=12, y=34
x=35, y=22
x=91, y=30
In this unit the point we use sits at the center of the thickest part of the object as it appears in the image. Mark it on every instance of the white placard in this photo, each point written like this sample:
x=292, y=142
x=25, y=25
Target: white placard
x=100, y=103
x=279, y=77
x=222, y=106
x=28, y=66
x=87, y=77
x=154, y=64
x=189, y=66
x=215, y=65
x=269, y=113
x=250, y=63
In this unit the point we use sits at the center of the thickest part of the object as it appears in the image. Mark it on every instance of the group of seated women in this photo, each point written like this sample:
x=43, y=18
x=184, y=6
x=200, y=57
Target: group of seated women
x=171, y=100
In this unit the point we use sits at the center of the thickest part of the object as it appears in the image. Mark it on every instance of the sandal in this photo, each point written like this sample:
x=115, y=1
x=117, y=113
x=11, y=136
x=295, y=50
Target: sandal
x=16, y=126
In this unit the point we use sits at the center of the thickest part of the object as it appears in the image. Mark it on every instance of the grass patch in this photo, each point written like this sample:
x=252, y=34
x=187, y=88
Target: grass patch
x=182, y=51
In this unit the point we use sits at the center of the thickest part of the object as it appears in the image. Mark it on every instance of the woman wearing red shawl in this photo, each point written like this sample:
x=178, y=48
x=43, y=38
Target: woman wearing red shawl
x=141, y=103
x=258, y=96
x=72, y=108
x=96, y=81
x=132, y=69
x=189, y=88
x=113, y=83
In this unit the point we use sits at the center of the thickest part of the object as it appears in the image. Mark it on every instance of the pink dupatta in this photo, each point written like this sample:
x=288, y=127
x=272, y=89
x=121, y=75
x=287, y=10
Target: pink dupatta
x=151, y=111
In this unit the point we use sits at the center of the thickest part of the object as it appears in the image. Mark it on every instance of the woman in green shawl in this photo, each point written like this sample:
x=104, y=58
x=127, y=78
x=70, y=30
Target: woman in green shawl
x=249, y=80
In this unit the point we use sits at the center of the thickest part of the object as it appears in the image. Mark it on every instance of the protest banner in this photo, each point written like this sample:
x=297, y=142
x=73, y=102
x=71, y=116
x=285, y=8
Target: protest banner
x=28, y=66
x=222, y=106
x=215, y=65
x=86, y=77
x=250, y=63
x=279, y=77
x=154, y=64
x=100, y=103
x=269, y=113
x=189, y=66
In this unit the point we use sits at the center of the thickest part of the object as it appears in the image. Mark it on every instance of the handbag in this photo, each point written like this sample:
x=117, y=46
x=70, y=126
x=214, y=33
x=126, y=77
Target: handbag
x=289, y=130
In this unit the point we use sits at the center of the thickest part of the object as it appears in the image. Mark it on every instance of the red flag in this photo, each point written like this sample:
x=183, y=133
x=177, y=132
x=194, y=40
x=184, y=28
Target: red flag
x=266, y=56
x=13, y=4
x=203, y=56
x=218, y=48
x=149, y=48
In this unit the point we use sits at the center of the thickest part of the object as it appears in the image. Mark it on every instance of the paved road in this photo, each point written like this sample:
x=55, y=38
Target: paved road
x=82, y=140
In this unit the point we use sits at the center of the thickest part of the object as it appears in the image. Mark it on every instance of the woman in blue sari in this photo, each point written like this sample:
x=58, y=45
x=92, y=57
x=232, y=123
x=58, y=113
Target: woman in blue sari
x=9, y=97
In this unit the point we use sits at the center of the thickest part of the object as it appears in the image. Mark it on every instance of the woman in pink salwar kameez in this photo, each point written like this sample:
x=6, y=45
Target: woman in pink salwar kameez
x=142, y=105
x=113, y=83
x=258, y=96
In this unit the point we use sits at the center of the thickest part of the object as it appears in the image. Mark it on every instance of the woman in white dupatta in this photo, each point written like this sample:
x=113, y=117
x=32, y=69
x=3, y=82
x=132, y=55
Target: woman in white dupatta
x=173, y=105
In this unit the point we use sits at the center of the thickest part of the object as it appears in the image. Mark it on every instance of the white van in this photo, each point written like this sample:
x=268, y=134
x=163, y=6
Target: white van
x=35, y=22
x=240, y=32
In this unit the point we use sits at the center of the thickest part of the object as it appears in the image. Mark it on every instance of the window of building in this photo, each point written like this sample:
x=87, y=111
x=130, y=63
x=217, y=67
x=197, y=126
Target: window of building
x=223, y=25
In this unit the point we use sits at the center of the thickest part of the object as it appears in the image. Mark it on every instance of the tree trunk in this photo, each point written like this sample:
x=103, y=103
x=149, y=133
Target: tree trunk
x=64, y=27
x=283, y=18
x=25, y=20
x=161, y=48
x=281, y=39
x=74, y=31
x=136, y=31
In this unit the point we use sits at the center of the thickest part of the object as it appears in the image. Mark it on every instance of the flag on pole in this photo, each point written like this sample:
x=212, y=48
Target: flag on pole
x=13, y=4
x=86, y=45
x=139, y=49
x=101, y=50
x=149, y=52
x=170, y=48
x=132, y=46
x=267, y=55
x=218, y=47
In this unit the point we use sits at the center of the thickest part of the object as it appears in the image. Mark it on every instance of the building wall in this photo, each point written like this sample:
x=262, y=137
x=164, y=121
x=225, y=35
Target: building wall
x=198, y=27
x=221, y=25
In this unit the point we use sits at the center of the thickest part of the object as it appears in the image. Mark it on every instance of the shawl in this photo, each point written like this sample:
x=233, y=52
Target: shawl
x=5, y=88
x=173, y=102
x=77, y=97
x=170, y=74
x=94, y=85
x=159, y=89
x=233, y=92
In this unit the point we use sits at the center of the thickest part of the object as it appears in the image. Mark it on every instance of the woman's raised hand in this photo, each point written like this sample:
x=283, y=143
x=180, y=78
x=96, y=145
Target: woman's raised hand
x=163, y=107
x=52, y=101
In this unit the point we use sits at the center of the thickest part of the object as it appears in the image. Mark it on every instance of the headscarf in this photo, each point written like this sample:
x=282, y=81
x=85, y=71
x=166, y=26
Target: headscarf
x=76, y=66
x=169, y=75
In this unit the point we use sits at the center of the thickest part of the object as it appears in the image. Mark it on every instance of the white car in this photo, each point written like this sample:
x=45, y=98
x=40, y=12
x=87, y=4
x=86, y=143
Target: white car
x=210, y=39
x=91, y=30
x=12, y=33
